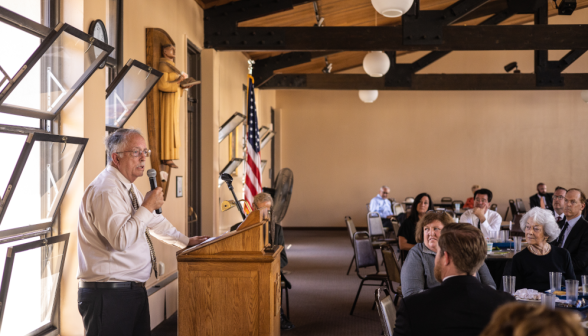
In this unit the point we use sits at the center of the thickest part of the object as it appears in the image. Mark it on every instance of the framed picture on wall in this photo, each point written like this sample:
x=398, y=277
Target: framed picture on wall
x=179, y=186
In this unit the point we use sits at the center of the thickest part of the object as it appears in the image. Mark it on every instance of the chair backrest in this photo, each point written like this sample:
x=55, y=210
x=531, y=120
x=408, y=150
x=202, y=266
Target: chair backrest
x=365, y=255
x=391, y=263
x=386, y=310
x=461, y=203
x=513, y=208
x=396, y=227
x=392, y=200
x=375, y=224
x=494, y=207
x=397, y=209
x=516, y=226
x=350, y=228
x=409, y=199
x=521, y=205
x=367, y=205
x=446, y=199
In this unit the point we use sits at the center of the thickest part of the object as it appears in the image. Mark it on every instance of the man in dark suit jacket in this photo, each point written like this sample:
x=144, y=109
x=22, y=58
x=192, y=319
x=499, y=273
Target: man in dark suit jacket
x=461, y=305
x=574, y=233
x=535, y=200
x=559, y=202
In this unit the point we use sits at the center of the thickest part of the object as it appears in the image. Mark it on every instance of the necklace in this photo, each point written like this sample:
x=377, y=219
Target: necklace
x=537, y=251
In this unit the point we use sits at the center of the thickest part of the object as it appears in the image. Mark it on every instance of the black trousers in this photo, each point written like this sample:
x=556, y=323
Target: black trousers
x=386, y=222
x=116, y=311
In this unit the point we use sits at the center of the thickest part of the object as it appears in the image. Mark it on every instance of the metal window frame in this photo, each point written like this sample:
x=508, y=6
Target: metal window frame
x=226, y=123
x=120, y=76
x=7, y=274
x=23, y=23
x=267, y=137
x=38, y=54
x=226, y=170
x=17, y=172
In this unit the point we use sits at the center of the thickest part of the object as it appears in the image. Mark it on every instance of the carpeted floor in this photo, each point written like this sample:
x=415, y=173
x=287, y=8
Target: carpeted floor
x=321, y=294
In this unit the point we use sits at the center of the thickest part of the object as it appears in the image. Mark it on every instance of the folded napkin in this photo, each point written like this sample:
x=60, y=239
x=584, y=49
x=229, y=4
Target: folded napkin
x=528, y=294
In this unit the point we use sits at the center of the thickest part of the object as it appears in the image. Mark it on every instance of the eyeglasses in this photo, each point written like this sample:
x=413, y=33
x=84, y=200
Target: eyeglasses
x=481, y=200
x=536, y=228
x=572, y=202
x=137, y=152
x=559, y=198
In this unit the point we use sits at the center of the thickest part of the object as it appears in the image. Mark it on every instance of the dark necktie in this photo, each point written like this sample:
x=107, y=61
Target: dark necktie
x=561, y=235
x=151, y=251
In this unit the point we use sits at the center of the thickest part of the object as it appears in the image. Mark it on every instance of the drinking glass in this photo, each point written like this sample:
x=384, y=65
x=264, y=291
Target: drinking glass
x=518, y=241
x=503, y=236
x=508, y=284
x=572, y=290
x=457, y=206
x=489, y=245
x=548, y=300
x=554, y=281
x=584, y=284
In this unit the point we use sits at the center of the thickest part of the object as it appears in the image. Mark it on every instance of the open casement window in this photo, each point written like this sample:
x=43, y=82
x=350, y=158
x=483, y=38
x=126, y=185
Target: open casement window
x=35, y=175
x=32, y=272
x=58, y=68
x=127, y=91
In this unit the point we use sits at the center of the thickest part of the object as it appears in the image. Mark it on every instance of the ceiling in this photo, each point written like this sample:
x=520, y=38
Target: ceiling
x=360, y=13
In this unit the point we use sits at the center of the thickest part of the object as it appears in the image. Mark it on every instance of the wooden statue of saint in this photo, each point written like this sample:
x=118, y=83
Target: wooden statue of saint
x=171, y=86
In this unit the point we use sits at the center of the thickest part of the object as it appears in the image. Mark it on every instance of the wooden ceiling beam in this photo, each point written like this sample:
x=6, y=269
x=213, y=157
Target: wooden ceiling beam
x=432, y=82
x=536, y=37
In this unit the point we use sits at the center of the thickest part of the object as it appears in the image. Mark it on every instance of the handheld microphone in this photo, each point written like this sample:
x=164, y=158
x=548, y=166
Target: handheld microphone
x=152, y=173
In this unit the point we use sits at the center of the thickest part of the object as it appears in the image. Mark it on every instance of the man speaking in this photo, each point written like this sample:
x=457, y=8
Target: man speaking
x=115, y=253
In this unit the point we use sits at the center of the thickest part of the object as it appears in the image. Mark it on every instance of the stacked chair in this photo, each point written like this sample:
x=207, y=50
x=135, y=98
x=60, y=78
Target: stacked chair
x=386, y=310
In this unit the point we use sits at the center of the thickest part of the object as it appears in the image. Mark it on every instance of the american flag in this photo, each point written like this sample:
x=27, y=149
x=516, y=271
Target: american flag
x=253, y=164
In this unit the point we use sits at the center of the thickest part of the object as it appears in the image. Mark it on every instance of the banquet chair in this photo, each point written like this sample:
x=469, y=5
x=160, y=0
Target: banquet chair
x=376, y=229
x=386, y=310
x=516, y=226
x=446, y=200
x=397, y=209
x=520, y=205
x=494, y=207
x=409, y=200
x=392, y=265
x=461, y=204
x=365, y=256
x=351, y=229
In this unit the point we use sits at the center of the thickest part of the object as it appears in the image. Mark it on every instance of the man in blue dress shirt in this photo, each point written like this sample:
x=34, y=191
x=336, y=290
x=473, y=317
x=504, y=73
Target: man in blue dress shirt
x=382, y=205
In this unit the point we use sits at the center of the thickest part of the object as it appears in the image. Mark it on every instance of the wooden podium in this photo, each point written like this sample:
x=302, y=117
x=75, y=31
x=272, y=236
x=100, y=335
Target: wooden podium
x=229, y=285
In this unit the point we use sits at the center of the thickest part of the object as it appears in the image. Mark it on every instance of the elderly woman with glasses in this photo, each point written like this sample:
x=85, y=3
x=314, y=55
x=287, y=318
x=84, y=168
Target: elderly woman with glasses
x=418, y=269
x=532, y=265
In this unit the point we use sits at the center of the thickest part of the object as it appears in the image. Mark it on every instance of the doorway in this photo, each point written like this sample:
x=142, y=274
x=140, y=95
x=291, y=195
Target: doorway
x=194, y=227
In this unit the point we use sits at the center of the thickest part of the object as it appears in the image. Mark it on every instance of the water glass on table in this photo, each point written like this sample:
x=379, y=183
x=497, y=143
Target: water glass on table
x=584, y=284
x=508, y=284
x=554, y=281
x=518, y=243
x=489, y=245
x=548, y=300
x=457, y=206
x=572, y=290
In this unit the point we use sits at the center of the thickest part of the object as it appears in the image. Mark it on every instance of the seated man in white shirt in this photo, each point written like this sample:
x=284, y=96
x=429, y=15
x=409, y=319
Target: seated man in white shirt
x=115, y=253
x=382, y=205
x=481, y=216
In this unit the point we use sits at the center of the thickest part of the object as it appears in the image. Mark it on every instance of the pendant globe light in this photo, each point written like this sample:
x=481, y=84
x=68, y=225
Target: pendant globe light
x=376, y=63
x=584, y=95
x=368, y=96
x=392, y=8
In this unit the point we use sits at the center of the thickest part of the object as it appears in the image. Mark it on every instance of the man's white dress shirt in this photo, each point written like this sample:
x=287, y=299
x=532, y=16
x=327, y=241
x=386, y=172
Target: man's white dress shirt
x=111, y=233
x=491, y=225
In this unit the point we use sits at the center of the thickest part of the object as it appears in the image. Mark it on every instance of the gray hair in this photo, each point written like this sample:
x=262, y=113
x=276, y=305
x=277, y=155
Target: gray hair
x=544, y=218
x=384, y=187
x=117, y=140
x=262, y=198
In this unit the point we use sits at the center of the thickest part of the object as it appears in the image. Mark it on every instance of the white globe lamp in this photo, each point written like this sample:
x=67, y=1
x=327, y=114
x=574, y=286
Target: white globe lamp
x=376, y=63
x=392, y=8
x=584, y=95
x=368, y=96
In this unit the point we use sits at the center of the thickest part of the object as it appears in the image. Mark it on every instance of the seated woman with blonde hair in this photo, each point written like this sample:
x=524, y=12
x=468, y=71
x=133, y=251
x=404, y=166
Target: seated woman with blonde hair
x=523, y=319
x=418, y=271
x=532, y=265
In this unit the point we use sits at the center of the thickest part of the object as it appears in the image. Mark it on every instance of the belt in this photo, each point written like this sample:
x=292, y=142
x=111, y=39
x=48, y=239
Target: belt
x=106, y=285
